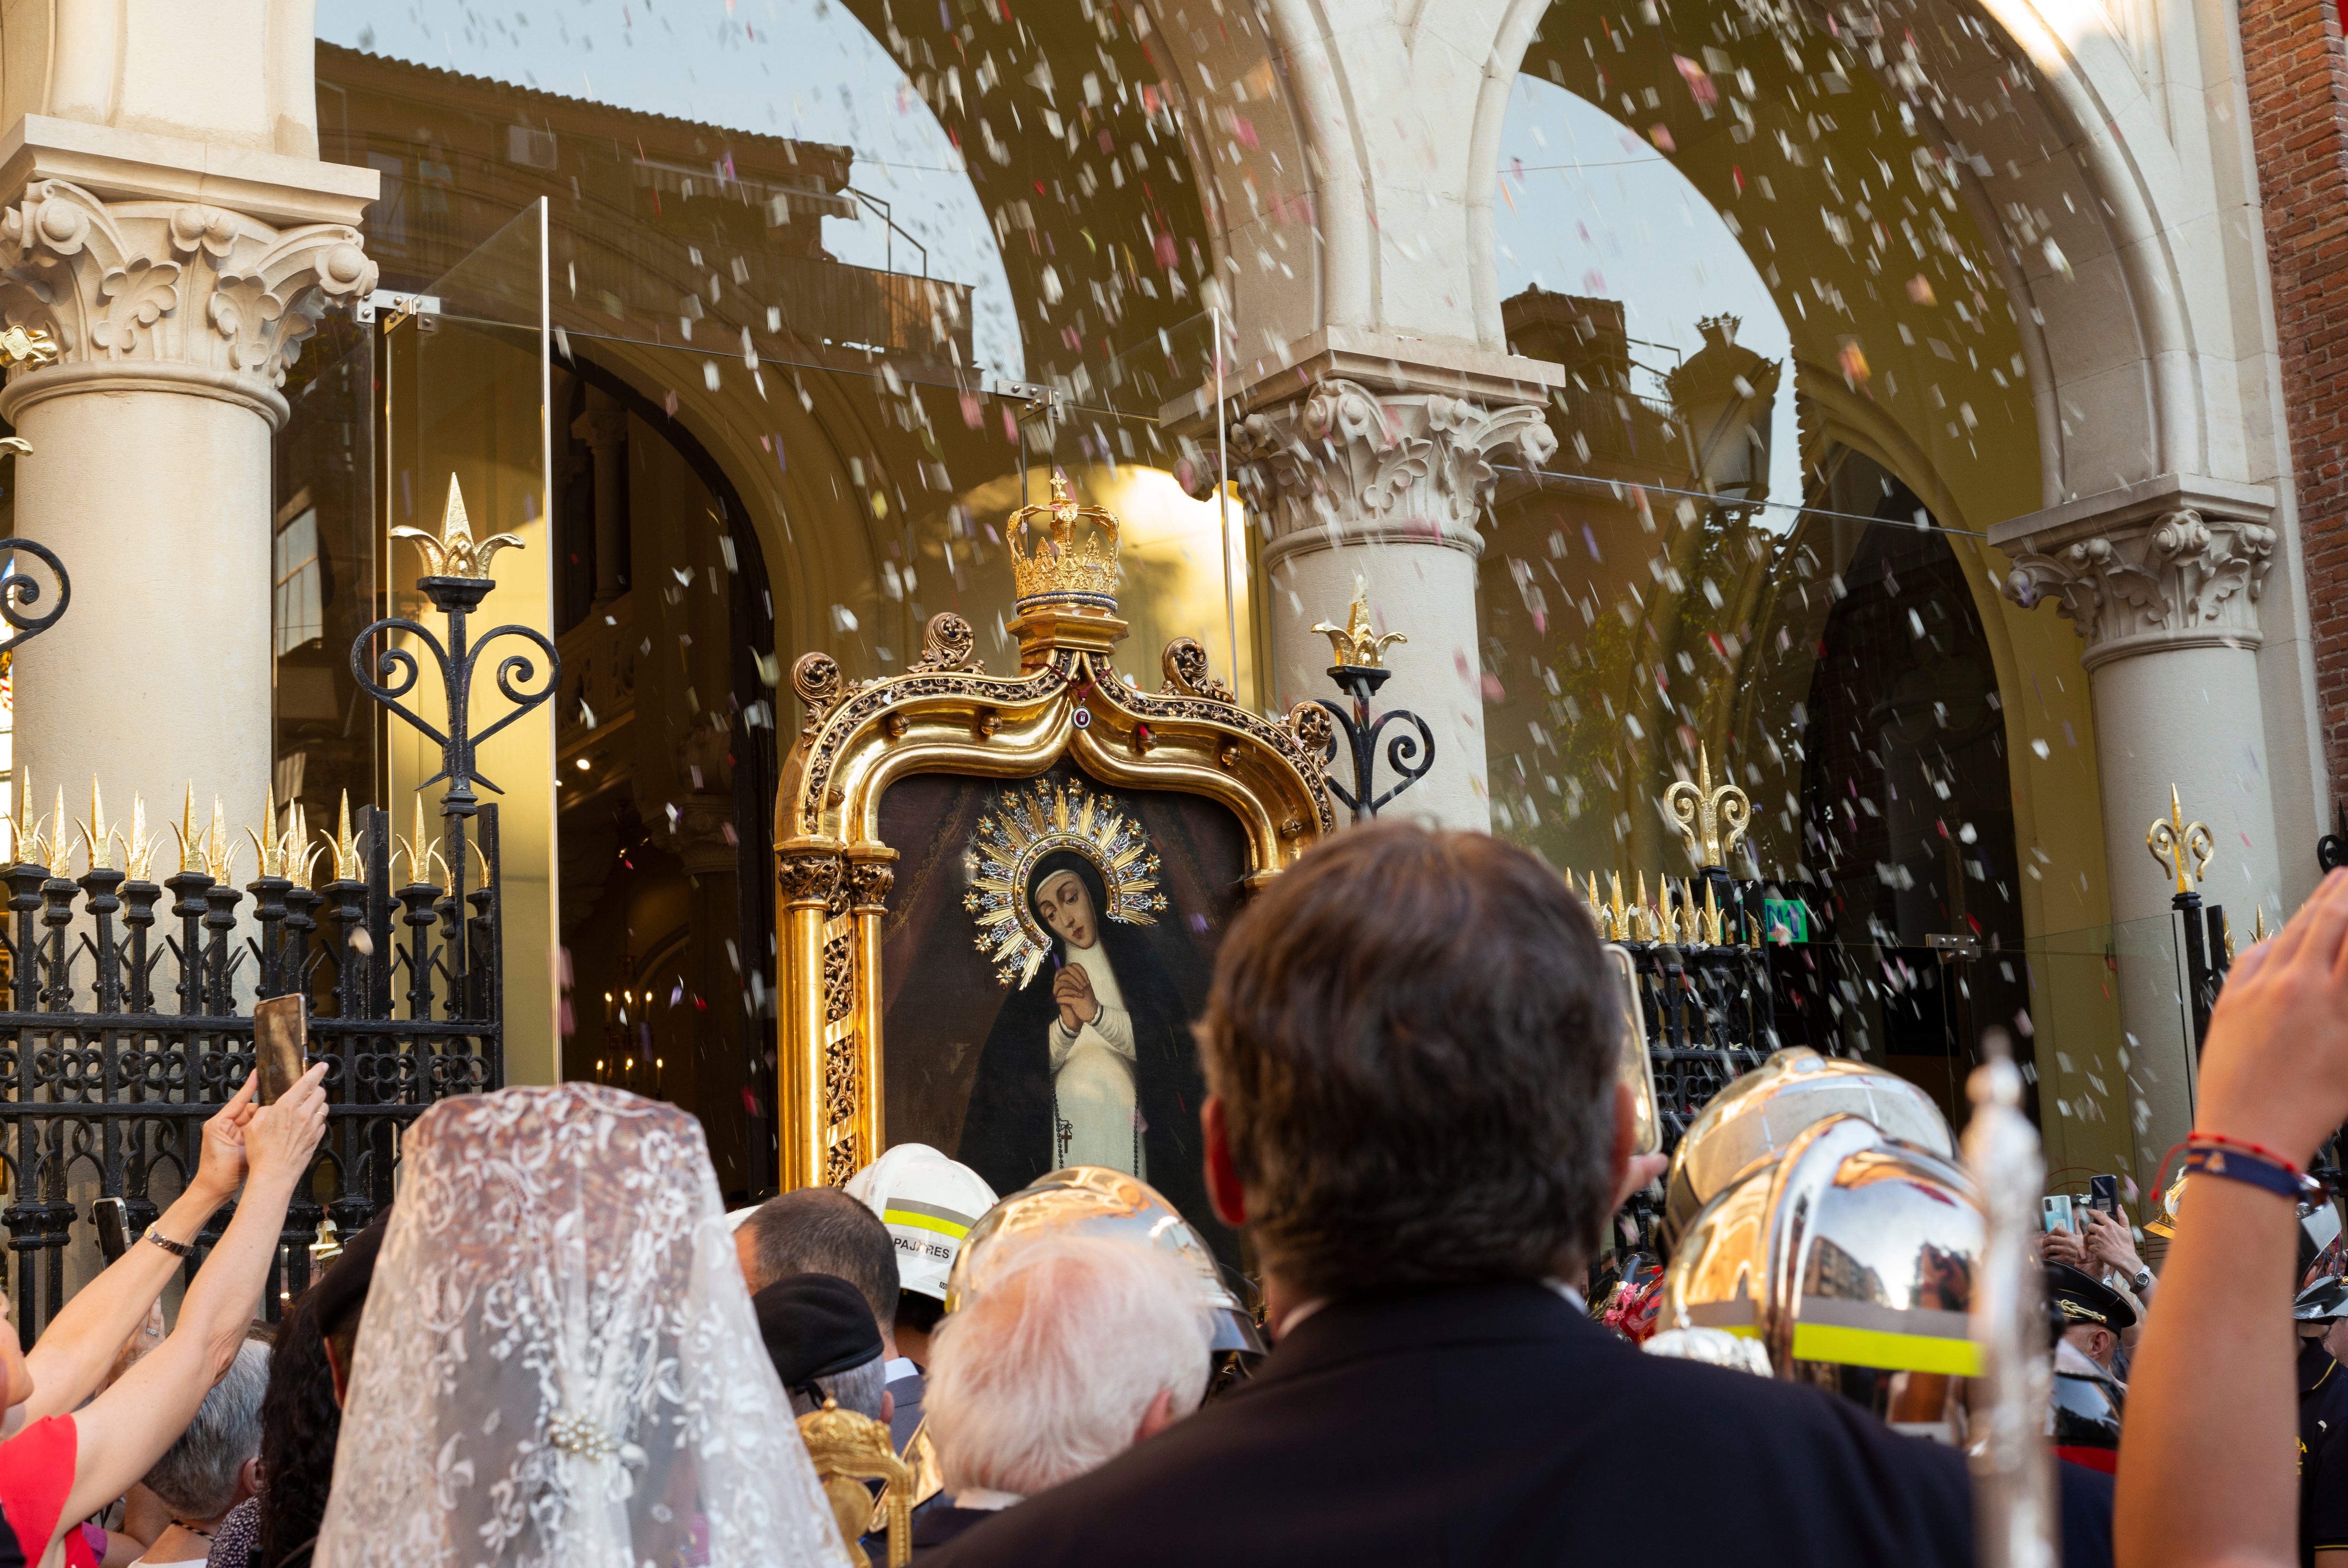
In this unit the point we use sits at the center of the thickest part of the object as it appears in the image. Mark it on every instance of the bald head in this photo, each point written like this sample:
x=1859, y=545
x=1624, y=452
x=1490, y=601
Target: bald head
x=821, y=1230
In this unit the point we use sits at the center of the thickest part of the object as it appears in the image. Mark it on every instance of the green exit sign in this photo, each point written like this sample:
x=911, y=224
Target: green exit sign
x=1789, y=916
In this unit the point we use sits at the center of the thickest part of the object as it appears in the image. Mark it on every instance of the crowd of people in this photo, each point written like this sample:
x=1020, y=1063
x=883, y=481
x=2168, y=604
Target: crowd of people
x=556, y=1348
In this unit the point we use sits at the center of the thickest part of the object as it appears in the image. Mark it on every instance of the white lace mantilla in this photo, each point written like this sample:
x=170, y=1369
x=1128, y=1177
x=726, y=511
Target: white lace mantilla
x=559, y=1364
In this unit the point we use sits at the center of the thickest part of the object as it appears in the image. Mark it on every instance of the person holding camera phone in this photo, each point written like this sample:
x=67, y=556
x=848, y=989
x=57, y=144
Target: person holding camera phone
x=61, y=1468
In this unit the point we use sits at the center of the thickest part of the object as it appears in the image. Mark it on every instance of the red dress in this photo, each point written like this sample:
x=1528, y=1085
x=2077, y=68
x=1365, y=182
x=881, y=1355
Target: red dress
x=36, y=1472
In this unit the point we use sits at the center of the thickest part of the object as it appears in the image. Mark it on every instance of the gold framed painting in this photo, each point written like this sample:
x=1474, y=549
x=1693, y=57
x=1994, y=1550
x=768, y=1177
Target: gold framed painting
x=999, y=896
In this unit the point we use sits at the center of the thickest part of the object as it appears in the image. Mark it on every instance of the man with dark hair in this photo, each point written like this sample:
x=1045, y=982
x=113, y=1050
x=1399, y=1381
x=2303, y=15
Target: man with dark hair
x=821, y=1230
x=1413, y=1110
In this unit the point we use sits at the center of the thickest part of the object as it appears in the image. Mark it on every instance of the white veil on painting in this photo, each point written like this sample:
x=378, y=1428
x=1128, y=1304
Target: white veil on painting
x=559, y=1363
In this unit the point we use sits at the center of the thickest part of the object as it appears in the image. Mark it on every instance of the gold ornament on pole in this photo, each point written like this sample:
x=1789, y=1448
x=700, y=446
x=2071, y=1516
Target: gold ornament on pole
x=454, y=553
x=1357, y=643
x=2183, y=848
x=1702, y=813
x=61, y=846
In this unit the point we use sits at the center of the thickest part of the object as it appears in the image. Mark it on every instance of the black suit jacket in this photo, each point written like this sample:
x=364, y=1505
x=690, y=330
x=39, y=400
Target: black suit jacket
x=1484, y=1424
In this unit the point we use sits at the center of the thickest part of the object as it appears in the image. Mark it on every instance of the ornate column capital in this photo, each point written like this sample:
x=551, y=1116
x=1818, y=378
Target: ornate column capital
x=167, y=295
x=1343, y=464
x=2168, y=564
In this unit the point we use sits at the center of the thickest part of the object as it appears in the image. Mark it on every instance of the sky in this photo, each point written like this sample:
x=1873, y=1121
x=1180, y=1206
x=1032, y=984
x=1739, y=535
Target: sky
x=803, y=68
x=1590, y=208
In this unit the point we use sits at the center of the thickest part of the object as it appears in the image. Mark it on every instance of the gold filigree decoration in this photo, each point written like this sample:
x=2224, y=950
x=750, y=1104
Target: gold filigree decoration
x=838, y=977
x=1184, y=663
x=849, y=1451
x=1029, y=822
x=1057, y=571
x=454, y=553
x=2182, y=847
x=1356, y=643
x=1711, y=821
x=947, y=642
x=816, y=678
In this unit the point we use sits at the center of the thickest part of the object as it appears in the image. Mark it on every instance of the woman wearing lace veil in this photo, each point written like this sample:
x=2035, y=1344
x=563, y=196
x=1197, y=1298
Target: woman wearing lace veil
x=559, y=1363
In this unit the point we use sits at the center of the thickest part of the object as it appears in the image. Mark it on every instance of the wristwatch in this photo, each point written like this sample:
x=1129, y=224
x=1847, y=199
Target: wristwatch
x=2142, y=1281
x=176, y=1248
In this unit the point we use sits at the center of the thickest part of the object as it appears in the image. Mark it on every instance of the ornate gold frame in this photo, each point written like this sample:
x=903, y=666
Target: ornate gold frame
x=946, y=713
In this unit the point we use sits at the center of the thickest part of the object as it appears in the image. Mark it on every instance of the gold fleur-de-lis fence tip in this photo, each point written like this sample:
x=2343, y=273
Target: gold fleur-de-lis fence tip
x=345, y=848
x=454, y=553
x=2182, y=847
x=1356, y=643
x=421, y=852
x=1713, y=821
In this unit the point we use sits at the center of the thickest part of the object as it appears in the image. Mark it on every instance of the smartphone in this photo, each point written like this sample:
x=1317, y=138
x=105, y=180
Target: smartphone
x=2056, y=1211
x=1637, y=1067
x=2103, y=1195
x=113, y=1217
x=281, y=1046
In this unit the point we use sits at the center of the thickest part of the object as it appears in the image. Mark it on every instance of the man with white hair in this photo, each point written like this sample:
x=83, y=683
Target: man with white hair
x=215, y=1464
x=1065, y=1351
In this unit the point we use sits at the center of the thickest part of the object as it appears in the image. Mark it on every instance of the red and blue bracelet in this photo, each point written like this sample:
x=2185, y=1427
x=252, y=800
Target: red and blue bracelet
x=2234, y=1160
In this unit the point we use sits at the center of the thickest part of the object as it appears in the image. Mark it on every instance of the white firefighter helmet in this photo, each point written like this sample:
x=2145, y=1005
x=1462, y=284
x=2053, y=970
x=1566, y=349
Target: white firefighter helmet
x=929, y=1203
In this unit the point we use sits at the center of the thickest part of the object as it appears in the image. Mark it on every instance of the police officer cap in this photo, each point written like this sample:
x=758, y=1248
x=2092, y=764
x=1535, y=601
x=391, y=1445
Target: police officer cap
x=816, y=1325
x=2086, y=1302
x=2325, y=1299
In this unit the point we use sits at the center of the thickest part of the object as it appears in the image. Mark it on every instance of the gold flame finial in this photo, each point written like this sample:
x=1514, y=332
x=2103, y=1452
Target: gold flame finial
x=1357, y=643
x=60, y=846
x=346, y=848
x=2258, y=930
x=1057, y=572
x=1712, y=929
x=139, y=849
x=421, y=852
x=1702, y=812
x=267, y=843
x=454, y=553
x=191, y=841
x=1623, y=932
x=96, y=838
x=219, y=848
x=2183, y=848
x=26, y=829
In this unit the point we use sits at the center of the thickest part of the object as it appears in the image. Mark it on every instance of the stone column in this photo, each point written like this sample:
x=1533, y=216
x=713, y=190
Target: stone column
x=1383, y=486
x=178, y=280
x=2163, y=580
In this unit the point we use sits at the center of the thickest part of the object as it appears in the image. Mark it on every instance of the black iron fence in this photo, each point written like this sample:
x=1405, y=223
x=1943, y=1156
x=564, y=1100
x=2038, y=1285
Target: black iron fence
x=122, y=1035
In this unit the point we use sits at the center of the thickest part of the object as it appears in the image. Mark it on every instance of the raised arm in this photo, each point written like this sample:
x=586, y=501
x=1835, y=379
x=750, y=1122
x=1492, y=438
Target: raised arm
x=127, y=1428
x=78, y=1347
x=2209, y=1455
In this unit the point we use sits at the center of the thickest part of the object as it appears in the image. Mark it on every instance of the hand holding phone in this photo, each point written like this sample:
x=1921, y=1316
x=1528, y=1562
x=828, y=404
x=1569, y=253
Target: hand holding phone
x=113, y=1217
x=2104, y=1195
x=2055, y=1213
x=281, y=1046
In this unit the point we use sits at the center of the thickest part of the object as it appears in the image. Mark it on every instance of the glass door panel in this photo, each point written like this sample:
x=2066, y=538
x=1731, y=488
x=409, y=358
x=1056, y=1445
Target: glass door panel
x=464, y=384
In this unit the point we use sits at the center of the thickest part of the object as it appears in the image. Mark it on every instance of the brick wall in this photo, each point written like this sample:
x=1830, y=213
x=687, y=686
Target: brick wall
x=2298, y=77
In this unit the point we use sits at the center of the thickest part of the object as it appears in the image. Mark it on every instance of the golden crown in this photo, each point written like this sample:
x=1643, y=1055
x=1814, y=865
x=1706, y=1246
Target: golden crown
x=1057, y=572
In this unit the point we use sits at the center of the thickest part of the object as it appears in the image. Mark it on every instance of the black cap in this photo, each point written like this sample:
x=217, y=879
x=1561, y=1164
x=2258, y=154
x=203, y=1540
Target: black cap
x=2086, y=1302
x=816, y=1325
x=340, y=1294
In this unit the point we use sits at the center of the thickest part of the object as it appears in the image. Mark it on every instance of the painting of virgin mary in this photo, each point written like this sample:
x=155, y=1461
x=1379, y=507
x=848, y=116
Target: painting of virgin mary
x=1089, y=1060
